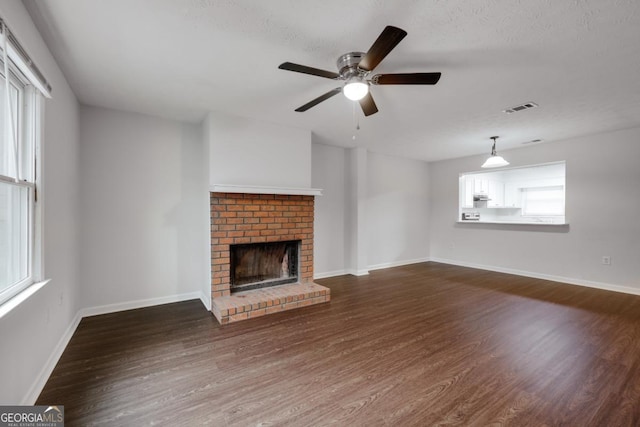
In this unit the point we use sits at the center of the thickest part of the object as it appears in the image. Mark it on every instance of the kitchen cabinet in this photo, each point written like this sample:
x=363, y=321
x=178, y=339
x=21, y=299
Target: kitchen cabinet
x=480, y=186
x=496, y=194
x=493, y=189
x=467, y=192
x=511, y=195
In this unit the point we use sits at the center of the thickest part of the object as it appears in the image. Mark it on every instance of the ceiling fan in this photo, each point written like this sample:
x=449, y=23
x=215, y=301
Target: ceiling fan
x=354, y=69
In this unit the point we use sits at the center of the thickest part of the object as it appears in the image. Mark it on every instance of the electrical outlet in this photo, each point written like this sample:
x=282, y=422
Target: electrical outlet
x=606, y=260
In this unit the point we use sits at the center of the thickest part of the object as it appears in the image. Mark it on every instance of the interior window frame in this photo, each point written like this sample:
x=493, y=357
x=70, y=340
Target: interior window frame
x=26, y=115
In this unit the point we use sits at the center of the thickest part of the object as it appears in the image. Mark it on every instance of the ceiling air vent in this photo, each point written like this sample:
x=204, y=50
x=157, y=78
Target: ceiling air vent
x=521, y=107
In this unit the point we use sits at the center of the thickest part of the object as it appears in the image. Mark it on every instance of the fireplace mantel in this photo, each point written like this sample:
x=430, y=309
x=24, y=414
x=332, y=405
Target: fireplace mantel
x=255, y=189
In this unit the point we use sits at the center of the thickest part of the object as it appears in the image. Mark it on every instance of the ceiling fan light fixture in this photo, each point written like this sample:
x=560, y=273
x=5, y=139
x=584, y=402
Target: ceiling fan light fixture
x=355, y=88
x=494, y=161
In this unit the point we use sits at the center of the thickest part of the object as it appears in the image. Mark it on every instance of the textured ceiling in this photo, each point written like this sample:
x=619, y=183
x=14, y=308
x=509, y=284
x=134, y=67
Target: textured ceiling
x=579, y=60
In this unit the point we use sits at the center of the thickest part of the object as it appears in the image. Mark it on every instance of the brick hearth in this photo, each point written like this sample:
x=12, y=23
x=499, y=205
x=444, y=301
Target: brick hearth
x=256, y=303
x=238, y=218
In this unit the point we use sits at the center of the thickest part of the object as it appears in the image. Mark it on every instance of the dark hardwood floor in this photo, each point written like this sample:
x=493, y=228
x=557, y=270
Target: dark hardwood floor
x=426, y=344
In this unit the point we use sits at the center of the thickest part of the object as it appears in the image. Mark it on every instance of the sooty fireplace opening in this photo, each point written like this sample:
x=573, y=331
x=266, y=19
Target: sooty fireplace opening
x=260, y=265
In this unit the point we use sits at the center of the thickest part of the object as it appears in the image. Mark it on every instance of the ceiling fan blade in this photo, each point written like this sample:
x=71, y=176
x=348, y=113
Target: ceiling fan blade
x=289, y=66
x=406, y=79
x=368, y=105
x=386, y=41
x=319, y=99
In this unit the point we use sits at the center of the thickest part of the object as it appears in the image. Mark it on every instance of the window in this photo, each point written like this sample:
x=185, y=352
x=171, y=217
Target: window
x=543, y=201
x=17, y=184
x=20, y=104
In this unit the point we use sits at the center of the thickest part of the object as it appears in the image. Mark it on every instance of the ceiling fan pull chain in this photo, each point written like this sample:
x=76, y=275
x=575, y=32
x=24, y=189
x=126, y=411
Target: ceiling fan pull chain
x=357, y=125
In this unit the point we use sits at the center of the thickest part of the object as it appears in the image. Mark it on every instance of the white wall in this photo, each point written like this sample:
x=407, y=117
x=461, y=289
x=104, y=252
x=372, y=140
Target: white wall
x=243, y=151
x=376, y=206
x=602, y=196
x=142, y=192
x=356, y=211
x=397, y=219
x=328, y=173
x=206, y=214
x=34, y=333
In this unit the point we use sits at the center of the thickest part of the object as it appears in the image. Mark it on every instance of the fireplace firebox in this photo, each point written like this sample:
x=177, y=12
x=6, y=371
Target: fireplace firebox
x=260, y=265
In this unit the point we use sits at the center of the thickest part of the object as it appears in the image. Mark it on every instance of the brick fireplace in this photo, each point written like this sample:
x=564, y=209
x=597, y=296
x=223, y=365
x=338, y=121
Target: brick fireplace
x=239, y=219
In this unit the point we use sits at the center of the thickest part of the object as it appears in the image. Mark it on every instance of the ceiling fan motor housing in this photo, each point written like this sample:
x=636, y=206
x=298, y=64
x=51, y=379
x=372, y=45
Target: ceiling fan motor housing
x=348, y=65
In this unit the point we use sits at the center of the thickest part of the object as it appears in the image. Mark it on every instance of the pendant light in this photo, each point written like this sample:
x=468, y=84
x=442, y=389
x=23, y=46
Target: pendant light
x=494, y=161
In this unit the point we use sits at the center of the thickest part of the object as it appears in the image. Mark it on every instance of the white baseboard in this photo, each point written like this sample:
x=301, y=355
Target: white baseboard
x=398, y=263
x=330, y=274
x=52, y=361
x=206, y=301
x=130, y=305
x=364, y=272
x=567, y=280
x=355, y=272
x=335, y=273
